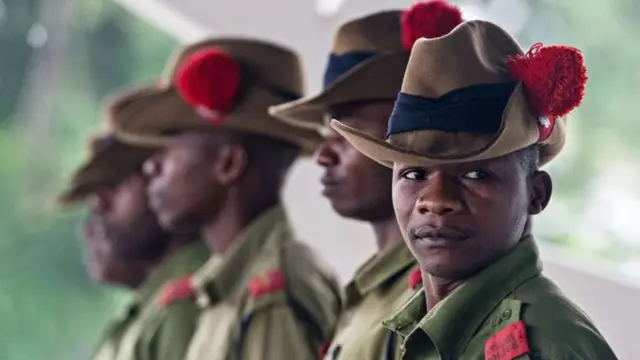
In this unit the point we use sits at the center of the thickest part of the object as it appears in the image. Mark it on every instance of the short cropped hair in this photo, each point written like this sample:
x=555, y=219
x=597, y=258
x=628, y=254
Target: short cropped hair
x=529, y=158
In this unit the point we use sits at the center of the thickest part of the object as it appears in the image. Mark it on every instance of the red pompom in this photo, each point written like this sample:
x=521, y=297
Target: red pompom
x=429, y=19
x=208, y=80
x=554, y=79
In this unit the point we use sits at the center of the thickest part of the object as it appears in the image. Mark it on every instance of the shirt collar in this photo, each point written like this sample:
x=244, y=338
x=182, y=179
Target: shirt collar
x=223, y=273
x=378, y=270
x=183, y=261
x=452, y=323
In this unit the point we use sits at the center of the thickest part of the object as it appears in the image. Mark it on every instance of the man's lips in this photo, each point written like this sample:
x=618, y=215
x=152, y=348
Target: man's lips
x=154, y=202
x=330, y=184
x=154, y=198
x=441, y=236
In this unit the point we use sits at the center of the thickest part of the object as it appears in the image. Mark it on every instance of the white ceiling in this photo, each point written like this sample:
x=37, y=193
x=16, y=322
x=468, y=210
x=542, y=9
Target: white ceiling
x=303, y=25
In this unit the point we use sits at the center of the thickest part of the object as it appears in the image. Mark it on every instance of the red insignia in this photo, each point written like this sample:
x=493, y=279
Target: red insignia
x=324, y=348
x=415, y=278
x=209, y=80
x=177, y=289
x=554, y=79
x=507, y=344
x=428, y=19
x=270, y=282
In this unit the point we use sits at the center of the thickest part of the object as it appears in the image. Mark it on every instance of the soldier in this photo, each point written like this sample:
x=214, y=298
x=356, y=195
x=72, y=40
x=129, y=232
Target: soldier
x=473, y=123
x=362, y=78
x=125, y=246
x=265, y=295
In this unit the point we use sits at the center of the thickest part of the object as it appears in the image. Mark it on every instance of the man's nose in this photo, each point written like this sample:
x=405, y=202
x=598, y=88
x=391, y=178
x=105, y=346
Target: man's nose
x=326, y=156
x=101, y=201
x=440, y=196
x=151, y=167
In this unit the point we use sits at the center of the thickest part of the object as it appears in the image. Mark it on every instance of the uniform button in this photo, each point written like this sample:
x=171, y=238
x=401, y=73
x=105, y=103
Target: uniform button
x=202, y=300
x=335, y=352
x=506, y=314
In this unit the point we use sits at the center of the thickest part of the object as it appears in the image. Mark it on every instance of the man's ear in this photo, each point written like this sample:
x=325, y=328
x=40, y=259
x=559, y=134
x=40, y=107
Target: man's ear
x=540, y=188
x=230, y=165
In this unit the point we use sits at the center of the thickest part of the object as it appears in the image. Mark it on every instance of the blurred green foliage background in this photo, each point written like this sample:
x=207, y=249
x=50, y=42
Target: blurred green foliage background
x=49, y=309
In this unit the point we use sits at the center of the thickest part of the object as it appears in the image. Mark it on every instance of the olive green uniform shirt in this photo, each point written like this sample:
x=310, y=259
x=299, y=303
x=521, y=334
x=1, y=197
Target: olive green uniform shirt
x=267, y=298
x=379, y=287
x=509, y=310
x=147, y=331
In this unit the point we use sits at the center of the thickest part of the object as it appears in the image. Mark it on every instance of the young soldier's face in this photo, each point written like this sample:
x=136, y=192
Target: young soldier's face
x=458, y=218
x=358, y=187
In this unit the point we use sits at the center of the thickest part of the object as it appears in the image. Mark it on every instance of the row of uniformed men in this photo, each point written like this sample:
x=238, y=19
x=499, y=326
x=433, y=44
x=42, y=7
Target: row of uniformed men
x=439, y=130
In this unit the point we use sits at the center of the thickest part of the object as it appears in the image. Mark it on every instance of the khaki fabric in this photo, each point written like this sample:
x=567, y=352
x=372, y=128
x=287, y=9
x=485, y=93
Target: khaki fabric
x=146, y=331
x=510, y=290
x=268, y=72
x=107, y=160
x=474, y=53
x=379, y=287
x=378, y=33
x=287, y=323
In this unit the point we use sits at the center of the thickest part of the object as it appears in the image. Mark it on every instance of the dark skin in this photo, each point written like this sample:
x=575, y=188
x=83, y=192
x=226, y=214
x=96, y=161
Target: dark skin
x=204, y=182
x=358, y=187
x=123, y=240
x=459, y=218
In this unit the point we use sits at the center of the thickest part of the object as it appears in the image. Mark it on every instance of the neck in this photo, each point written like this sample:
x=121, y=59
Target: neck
x=132, y=276
x=437, y=289
x=220, y=233
x=387, y=233
x=176, y=243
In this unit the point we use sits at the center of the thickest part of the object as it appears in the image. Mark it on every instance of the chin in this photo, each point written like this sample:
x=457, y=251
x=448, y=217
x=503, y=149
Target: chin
x=341, y=210
x=352, y=214
x=99, y=275
x=177, y=223
x=446, y=270
x=359, y=213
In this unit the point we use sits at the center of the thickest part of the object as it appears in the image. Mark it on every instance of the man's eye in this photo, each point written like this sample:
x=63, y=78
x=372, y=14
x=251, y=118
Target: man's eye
x=414, y=175
x=476, y=175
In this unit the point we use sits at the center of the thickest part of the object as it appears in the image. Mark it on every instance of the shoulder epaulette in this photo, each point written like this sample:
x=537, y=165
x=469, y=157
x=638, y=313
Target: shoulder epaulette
x=269, y=282
x=509, y=343
x=415, y=278
x=324, y=348
x=176, y=289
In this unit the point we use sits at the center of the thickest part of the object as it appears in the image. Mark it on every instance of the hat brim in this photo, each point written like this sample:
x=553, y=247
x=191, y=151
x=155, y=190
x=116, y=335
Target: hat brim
x=146, y=126
x=378, y=78
x=518, y=132
x=109, y=166
x=376, y=149
x=74, y=195
x=387, y=154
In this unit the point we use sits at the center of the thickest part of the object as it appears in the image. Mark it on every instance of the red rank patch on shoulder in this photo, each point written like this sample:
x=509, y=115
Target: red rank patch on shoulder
x=507, y=344
x=270, y=282
x=415, y=278
x=177, y=289
x=324, y=348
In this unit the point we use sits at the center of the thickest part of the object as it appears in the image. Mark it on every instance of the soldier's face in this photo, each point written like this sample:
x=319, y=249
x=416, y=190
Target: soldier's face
x=121, y=229
x=458, y=218
x=182, y=188
x=357, y=187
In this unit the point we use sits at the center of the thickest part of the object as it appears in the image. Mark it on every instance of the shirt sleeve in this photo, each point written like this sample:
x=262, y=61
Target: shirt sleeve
x=277, y=333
